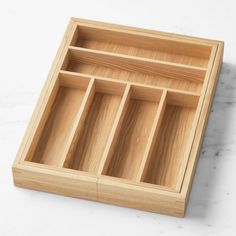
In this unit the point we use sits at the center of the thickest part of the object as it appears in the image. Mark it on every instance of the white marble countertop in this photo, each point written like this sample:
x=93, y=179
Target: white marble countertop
x=30, y=35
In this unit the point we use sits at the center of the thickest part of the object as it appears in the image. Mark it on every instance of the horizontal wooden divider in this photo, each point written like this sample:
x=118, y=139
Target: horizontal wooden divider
x=153, y=135
x=136, y=64
x=114, y=131
x=73, y=76
x=71, y=144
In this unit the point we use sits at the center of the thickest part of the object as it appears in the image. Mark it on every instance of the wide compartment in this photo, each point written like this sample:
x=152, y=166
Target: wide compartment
x=127, y=150
x=90, y=142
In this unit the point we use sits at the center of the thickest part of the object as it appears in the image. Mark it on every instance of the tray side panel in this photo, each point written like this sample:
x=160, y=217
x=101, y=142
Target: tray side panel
x=45, y=95
x=132, y=196
x=195, y=151
x=73, y=185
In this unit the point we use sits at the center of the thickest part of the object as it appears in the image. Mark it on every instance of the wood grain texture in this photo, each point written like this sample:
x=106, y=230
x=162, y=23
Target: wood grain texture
x=141, y=72
x=139, y=64
x=144, y=198
x=132, y=139
x=121, y=117
x=167, y=157
x=128, y=42
x=154, y=131
x=55, y=181
x=95, y=132
x=142, y=52
x=55, y=133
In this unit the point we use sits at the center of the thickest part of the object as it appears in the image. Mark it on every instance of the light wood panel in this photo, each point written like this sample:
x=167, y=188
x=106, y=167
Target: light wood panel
x=74, y=75
x=154, y=131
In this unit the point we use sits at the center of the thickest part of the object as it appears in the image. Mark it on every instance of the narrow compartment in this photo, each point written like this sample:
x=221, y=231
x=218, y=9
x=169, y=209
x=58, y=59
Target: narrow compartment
x=59, y=120
x=142, y=46
x=90, y=142
x=128, y=150
x=165, y=162
x=136, y=70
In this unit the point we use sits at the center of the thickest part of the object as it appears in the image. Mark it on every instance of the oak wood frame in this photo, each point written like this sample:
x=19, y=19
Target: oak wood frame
x=96, y=186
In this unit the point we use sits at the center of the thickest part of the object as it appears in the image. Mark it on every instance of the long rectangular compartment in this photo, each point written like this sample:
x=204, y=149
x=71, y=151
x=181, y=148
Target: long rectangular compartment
x=141, y=46
x=134, y=69
x=121, y=117
x=166, y=159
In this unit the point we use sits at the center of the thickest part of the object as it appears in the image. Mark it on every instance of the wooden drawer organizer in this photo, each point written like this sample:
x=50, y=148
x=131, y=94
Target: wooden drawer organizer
x=121, y=117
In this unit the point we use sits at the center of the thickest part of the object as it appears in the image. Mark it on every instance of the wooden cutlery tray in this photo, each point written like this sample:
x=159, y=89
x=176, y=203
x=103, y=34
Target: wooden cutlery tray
x=121, y=117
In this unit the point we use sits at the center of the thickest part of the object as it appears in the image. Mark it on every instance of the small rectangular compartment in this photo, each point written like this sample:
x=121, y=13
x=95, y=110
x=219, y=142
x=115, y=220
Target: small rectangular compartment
x=132, y=136
x=166, y=159
x=90, y=142
x=57, y=123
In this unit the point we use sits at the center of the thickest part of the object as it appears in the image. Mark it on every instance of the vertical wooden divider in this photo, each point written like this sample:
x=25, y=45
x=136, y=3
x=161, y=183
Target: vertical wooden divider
x=152, y=137
x=71, y=143
x=112, y=139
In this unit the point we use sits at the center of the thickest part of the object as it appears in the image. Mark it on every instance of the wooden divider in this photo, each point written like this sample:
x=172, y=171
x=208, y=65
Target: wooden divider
x=71, y=144
x=114, y=131
x=73, y=75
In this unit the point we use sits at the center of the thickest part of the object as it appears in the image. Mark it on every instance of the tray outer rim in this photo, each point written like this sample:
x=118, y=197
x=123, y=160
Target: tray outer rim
x=175, y=202
x=201, y=128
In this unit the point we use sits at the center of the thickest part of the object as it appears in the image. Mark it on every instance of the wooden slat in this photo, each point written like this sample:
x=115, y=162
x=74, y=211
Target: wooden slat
x=76, y=75
x=78, y=124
